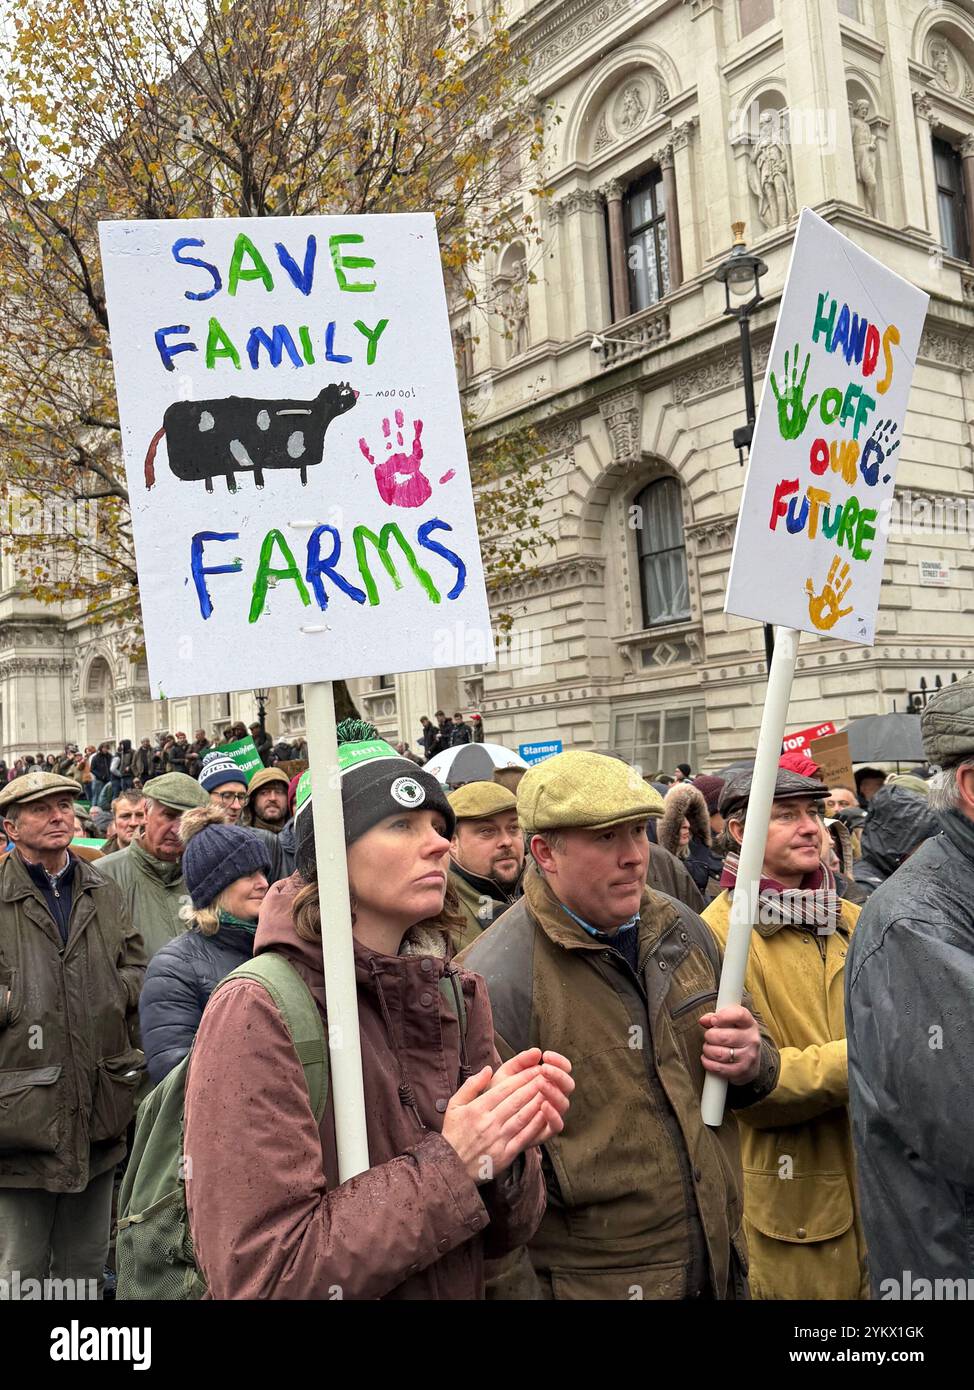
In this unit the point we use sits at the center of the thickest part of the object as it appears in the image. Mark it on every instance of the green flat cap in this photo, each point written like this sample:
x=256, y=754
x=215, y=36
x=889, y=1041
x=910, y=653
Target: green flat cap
x=33, y=785
x=911, y=783
x=947, y=724
x=479, y=799
x=585, y=790
x=177, y=791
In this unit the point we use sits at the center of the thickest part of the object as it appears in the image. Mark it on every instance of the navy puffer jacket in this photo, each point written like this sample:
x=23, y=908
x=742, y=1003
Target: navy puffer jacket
x=180, y=979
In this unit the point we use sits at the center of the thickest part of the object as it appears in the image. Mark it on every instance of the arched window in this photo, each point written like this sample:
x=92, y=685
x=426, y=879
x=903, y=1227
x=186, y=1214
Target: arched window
x=661, y=549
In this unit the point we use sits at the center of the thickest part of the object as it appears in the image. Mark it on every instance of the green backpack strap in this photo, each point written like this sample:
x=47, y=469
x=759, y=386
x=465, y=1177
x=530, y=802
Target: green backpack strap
x=300, y=1013
x=452, y=992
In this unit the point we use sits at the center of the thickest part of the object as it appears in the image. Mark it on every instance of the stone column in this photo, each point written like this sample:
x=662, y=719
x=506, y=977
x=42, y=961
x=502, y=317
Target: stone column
x=688, y=207
x=967, y=161
x=618, y=261
x=925, y=122
x=821, y=137
x=903, y=190
x=665, y=158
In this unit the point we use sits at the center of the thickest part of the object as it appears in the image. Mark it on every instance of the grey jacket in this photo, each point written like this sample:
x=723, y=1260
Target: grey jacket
x=910, y=1028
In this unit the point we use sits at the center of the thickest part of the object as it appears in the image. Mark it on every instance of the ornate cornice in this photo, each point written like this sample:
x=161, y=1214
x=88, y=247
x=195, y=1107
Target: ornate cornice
x=559, y=35
x=707, y=536
x=944, y=347
x=723, y=369
x=560, y=436
x=134, y=693
x=574, y=573
x=32, y=666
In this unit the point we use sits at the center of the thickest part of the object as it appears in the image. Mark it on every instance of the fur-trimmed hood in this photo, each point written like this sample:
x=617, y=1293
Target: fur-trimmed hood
x=684, y=801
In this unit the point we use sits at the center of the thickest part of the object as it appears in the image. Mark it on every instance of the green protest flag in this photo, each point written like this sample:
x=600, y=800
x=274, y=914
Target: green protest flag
x=90, y=844
x=244, y=753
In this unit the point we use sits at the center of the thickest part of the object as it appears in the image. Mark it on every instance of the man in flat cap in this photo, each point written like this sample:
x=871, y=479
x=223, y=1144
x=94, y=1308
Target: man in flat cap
x=486, y=854
x=71, y=968
x=643, y=1199
x=801, y=1217
x=910, y=1019
x=149, y=872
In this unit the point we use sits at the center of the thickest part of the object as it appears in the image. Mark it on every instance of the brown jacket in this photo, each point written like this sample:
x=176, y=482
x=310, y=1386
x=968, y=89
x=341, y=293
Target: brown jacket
x=68, y=1016
x=268, y=1216
x=634, y=1152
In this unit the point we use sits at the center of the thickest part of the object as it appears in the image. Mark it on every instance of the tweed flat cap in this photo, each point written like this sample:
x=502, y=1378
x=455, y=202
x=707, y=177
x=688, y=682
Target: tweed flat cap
x=788, y=786
x=33, y=785
x=947, y=724
x=583, y=790
x=177, y=791
x=479, y=799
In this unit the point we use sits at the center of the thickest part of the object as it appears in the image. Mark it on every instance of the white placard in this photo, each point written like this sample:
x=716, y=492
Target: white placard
x=808, y=553
x=299, y=486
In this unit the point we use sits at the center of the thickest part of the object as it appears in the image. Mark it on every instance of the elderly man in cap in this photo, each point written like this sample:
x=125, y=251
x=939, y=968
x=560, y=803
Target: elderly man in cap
x=71, y=968
x=149, y=872
x=910, y=1019
x=643, y=1199
x=486, y=854
x=800, y=1208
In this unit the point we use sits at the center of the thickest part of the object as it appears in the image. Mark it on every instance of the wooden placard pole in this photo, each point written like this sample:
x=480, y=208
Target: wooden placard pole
x=344, y=1045
x=744, y=905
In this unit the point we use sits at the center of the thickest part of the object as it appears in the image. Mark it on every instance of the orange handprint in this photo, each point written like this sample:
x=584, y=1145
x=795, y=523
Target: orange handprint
x=823, y=608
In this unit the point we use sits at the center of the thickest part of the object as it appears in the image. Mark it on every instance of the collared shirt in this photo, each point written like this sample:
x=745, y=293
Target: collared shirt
x=625, y=939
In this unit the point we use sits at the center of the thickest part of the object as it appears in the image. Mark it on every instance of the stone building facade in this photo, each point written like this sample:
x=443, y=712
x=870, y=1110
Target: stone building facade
x=666, y=122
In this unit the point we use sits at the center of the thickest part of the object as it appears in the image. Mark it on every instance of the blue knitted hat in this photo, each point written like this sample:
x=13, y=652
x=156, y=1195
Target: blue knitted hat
x=218, y=769
x=217, y=853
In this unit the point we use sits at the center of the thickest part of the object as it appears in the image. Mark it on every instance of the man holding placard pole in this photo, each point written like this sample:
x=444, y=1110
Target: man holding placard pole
x=808, y=553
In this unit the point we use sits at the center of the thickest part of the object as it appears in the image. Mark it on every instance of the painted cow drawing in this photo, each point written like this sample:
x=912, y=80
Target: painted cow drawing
x=221, y=438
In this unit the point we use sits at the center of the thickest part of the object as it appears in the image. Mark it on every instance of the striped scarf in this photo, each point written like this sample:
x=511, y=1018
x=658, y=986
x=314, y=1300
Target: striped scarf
x=814, y=904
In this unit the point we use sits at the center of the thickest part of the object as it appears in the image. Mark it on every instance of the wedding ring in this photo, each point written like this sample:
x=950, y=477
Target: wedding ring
x=733, y=1054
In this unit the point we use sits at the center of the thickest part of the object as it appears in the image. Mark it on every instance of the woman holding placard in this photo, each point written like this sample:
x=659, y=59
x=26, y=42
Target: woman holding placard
x=453, y=1136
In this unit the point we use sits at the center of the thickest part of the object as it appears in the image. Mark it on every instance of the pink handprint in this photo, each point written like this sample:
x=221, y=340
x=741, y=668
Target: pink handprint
x=399, y=478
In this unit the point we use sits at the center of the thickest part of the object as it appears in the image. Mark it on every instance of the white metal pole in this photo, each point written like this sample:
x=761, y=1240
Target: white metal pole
x=745, y=901
x=344, y=1045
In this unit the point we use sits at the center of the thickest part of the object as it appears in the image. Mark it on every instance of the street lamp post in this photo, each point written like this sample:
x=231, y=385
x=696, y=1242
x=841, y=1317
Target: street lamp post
x=261, y=696
x=740, y=274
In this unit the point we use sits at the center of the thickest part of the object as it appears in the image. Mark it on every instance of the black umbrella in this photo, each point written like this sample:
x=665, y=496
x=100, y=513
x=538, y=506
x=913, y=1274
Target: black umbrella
x=885, y=738
x=472, y=764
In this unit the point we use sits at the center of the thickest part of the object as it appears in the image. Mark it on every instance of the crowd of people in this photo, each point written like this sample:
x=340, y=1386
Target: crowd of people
x=537, y=959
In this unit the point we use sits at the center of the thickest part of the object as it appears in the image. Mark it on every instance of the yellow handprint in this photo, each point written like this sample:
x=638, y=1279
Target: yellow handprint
x=823, y=608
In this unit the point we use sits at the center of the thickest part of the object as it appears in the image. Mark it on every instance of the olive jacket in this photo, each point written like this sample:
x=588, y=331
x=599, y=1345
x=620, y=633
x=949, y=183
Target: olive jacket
x=801, y=1213
x=642, y=1195
x=69, y=1070
x=153, y=889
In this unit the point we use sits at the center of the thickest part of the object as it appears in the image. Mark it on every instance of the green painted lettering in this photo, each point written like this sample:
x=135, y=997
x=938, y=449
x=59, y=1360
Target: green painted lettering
x=390, y=531
x=343, y=263
x=243, y=246
x=218, y=344
x=265, y=572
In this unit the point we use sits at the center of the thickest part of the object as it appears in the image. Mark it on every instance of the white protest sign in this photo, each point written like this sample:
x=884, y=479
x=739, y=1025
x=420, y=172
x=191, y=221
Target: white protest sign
x=298, y=479
x=808, y=553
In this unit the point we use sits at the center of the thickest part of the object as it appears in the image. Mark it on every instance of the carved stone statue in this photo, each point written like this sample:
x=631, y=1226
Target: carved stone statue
x=864, y=154
x=632, y=107
x=514, y=307
x=940, y=62
x=768, y=173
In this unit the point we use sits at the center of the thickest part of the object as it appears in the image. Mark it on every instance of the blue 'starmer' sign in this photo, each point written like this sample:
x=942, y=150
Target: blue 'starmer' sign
x=537, y=752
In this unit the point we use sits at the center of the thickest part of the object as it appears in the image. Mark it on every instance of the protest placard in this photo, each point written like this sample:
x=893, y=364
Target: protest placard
x=811, y=534
x=300, y=494
x=834, y=763
x=798, y=742
x=808, y=553
x=243, y=751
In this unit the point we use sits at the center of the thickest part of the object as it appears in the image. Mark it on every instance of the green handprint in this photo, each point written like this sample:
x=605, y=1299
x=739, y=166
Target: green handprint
x=792, y=415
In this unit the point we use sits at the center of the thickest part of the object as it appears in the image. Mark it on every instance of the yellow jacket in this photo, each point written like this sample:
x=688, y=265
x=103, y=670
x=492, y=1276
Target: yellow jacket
x=801, y=1215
